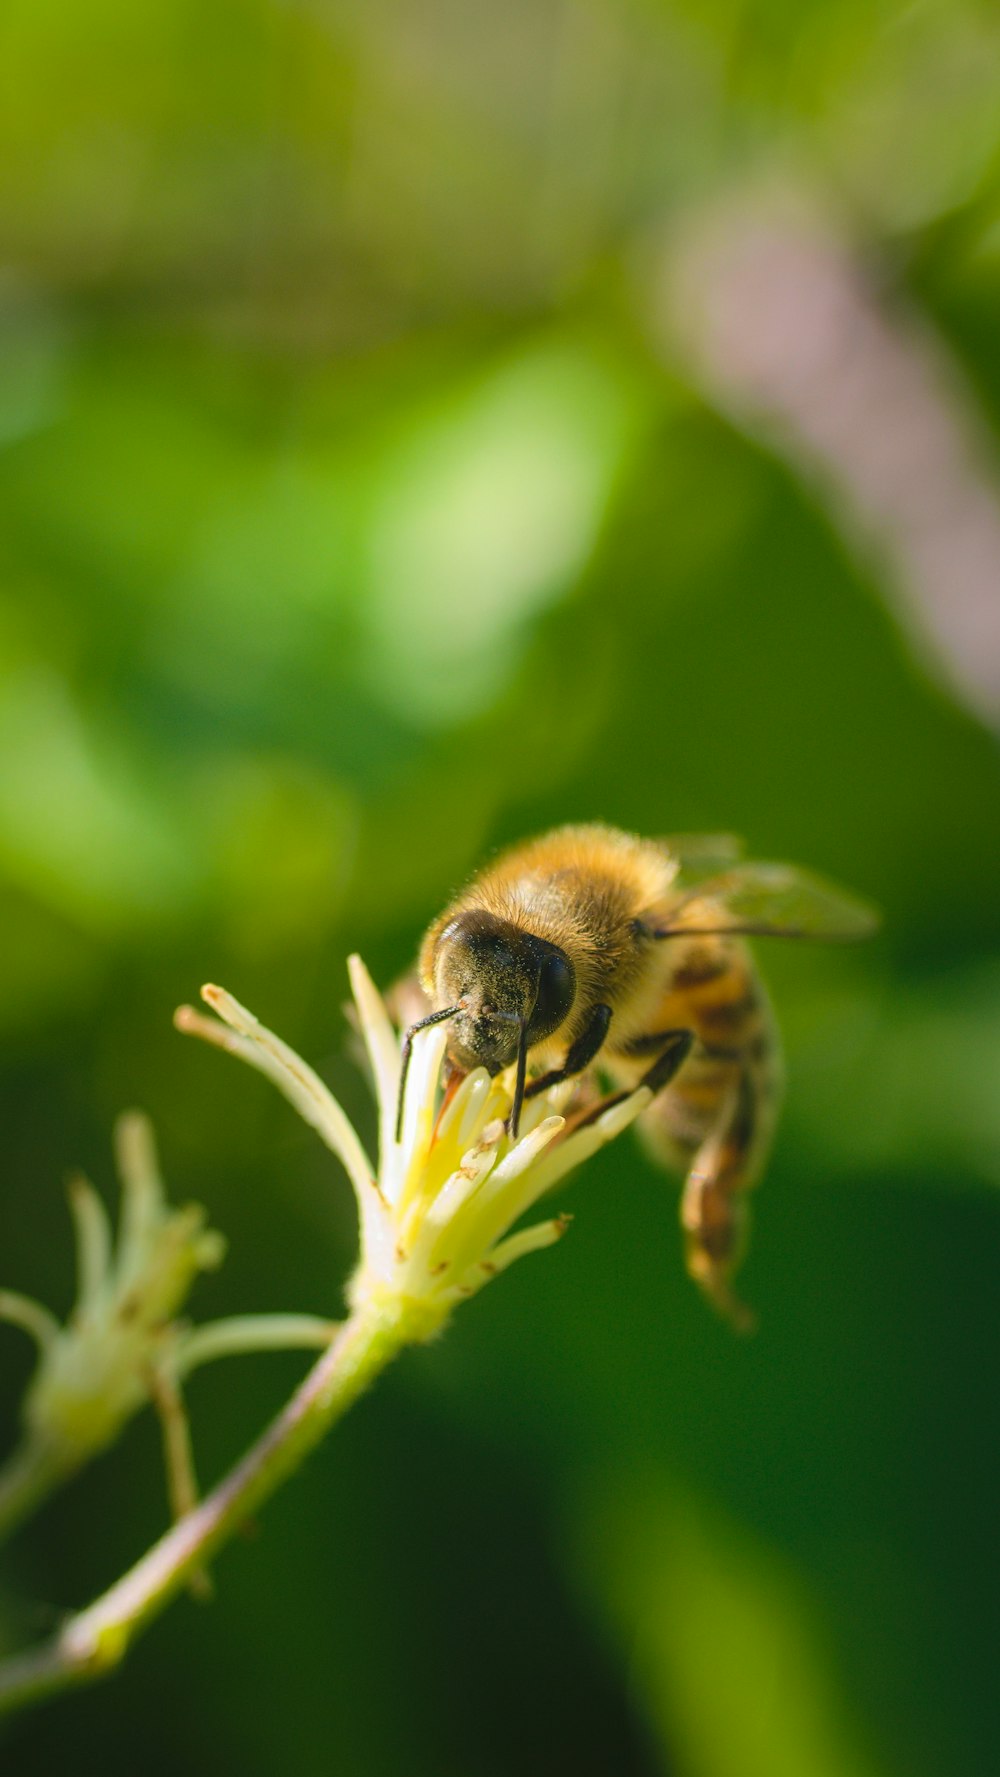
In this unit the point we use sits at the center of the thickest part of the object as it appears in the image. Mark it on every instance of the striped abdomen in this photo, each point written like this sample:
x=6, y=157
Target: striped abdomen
x=716, y=1118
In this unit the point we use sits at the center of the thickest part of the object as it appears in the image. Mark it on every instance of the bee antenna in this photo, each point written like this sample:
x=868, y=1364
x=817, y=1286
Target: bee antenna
x=522, y=1067
x=421, y=1024
x=514, y=1121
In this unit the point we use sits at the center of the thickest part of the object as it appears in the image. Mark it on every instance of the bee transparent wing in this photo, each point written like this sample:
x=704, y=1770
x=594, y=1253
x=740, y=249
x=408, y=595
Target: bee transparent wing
x=701, y=855
x=769, y=901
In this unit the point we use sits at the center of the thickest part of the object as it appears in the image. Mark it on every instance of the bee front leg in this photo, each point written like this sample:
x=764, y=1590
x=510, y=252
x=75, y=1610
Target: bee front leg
x=407, y=1050
x=581, y=1053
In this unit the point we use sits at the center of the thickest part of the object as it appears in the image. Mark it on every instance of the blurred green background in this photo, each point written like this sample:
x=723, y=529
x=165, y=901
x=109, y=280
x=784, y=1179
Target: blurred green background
x=379, y=484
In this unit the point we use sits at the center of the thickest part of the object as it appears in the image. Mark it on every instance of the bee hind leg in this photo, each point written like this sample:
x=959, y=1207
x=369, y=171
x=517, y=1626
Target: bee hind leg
x=714, y=1212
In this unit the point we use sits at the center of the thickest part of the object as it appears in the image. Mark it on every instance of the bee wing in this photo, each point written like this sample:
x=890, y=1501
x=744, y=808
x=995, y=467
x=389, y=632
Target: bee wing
x=699, y=855
x=769, y=901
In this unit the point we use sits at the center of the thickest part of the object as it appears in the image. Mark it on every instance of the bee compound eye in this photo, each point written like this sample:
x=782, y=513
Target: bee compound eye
x=556, y=993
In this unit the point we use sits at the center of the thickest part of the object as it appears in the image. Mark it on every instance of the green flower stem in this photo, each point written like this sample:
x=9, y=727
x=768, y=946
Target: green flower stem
x=34, y=1471
x=95, y=1640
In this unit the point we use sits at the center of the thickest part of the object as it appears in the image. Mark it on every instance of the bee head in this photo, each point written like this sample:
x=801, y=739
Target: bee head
x=510, y=988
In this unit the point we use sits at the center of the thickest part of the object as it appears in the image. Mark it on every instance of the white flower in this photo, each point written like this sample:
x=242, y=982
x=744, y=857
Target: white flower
x=435, y=1220
x=123, y=1345
x=95, y=1371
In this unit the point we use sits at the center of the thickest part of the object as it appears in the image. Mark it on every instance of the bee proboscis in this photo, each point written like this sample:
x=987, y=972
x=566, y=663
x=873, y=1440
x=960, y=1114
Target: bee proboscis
x=591, y=949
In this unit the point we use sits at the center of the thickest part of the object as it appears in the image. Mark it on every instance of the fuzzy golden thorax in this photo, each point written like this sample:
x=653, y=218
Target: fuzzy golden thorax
x=583, y=892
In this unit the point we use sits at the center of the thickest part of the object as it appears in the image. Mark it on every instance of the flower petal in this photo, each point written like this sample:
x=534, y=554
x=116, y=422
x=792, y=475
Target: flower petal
x=526, y=1240
x=31, y=1317
x=303, y=1088
x=251, y=1332
x=143, y=1199
x=93, y=1245
x=382, y=1046
x=581, y=1143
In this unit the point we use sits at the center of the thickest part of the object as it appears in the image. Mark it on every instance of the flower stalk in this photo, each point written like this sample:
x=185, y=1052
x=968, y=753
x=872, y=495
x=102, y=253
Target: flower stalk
x=95, y=1641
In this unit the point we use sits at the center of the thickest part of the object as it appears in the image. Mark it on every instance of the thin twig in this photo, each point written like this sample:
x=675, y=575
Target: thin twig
x=95, y=1640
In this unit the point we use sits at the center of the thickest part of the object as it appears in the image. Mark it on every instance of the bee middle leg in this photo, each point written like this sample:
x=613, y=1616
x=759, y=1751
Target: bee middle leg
x=673, y=1048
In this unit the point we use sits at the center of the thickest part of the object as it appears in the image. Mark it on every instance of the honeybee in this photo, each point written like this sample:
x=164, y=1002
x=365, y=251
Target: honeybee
x=589, y=949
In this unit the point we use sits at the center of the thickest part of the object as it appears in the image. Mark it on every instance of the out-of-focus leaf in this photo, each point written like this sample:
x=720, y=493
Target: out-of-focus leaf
x=50, y=968
x=908, y=1076
x=725, y=1646
x=78, y=827
x=486, y=510
x=278, y=844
